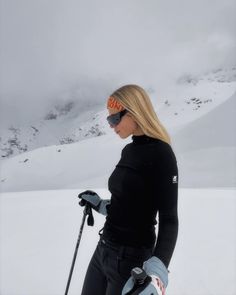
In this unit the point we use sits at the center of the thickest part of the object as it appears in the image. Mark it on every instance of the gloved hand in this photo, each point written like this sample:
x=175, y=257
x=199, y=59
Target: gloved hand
x=156, y=269
x=93, y=199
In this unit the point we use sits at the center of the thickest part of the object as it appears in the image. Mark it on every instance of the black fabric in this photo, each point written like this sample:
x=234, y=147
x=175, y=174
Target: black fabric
x=110, y=267
x=144, y=183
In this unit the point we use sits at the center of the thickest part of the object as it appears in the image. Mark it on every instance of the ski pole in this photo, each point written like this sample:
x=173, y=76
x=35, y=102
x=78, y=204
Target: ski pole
x=87, y=211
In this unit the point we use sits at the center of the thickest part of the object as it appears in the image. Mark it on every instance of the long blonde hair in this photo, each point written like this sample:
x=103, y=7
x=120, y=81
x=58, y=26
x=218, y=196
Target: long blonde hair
x=135, y=100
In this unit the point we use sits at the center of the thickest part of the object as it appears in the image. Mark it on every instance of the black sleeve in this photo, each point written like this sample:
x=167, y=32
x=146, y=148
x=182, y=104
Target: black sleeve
x=168, y=213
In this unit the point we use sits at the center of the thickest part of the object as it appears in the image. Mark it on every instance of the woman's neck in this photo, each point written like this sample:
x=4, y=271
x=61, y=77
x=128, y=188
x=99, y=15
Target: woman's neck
x=138, y=132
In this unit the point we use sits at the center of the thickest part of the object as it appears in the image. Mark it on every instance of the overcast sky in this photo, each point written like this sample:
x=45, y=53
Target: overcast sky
x=54, y=49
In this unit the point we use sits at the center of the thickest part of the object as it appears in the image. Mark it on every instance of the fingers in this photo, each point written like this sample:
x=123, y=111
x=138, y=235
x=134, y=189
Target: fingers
x=82, y=203
x=87, y=192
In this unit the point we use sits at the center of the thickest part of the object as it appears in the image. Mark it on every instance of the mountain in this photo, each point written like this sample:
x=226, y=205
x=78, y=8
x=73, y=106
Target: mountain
x=214, y=129
x=202, y=130
x=73, y=119
x=57, y=127
x=207, y=148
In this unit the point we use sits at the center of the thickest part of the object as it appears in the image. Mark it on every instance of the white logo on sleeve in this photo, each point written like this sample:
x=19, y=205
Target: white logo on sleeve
x=174, y=179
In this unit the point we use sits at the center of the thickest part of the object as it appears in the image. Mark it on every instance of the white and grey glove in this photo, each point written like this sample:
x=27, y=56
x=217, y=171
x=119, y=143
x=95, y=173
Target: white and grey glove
x=93, y=199
x=156, y=269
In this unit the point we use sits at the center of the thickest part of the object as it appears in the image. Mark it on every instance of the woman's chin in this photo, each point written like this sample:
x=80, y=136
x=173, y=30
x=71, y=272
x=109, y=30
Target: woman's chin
x=123, y=136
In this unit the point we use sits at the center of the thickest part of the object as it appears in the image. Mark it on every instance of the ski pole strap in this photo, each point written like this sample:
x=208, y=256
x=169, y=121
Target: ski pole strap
x=88, y=211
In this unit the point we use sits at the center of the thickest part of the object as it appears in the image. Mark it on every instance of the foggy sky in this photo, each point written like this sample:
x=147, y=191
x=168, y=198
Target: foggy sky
x=52, y=48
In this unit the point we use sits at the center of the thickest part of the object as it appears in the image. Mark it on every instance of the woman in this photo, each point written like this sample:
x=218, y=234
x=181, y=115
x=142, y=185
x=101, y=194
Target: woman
x=144, y=183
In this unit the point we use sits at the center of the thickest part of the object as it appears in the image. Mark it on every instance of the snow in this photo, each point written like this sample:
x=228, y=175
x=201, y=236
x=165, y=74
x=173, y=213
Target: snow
x=39, y=231
x=209, y=167
x=55, y=141
x=188, y=99
x=76, y=164
x=39, y=213
x=205, y=149
x=215, y=128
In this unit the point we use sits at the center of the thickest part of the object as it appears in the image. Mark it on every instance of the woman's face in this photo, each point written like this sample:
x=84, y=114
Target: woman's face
x=127, y=125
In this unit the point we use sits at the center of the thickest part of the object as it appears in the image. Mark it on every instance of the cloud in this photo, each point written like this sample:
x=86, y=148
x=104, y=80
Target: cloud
x=50, y=46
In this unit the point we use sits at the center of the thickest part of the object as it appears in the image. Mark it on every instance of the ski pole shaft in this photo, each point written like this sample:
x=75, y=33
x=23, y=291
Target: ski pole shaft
x=76, y=250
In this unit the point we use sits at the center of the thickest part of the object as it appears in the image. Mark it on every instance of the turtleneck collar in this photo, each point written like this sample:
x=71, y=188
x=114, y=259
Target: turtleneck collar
x=139, y=139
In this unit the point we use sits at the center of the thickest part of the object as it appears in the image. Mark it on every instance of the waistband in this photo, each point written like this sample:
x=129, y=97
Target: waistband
x=124, y=250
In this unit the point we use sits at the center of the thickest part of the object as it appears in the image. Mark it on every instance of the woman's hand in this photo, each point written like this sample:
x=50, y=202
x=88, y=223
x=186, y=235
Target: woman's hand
x=94, y=201
x=159, y=278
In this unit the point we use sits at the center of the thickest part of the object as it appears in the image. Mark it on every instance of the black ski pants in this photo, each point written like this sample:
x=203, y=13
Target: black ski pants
x=110, y=267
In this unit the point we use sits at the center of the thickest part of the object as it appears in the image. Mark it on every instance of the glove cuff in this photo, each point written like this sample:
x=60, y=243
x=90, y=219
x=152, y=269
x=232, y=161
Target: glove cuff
x=103, y=207
x=155, y=267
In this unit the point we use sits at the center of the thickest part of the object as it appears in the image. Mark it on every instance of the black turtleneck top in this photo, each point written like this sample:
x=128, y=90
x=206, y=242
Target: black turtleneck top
x=144, y=183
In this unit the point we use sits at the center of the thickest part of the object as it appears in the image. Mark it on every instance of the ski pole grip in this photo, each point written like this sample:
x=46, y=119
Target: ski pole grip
x=139, y=275
x=141, y=280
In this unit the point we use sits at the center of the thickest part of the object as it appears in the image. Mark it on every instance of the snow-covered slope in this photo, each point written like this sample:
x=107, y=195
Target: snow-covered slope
x=39, y=230
x=194, y=96
x=205, y=151
x=69, y=121
x=207, y=148
x=52, y=130
x=203, y=139
x=214, y=129
x=66, y=166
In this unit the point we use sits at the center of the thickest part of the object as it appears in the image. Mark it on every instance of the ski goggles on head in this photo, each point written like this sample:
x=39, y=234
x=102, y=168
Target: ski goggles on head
x=115, y=119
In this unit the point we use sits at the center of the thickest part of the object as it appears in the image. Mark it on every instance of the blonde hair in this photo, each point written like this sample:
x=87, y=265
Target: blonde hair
x=135, y=100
